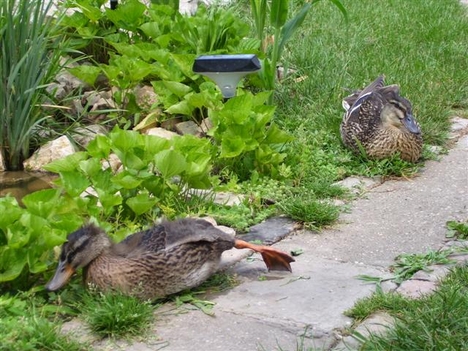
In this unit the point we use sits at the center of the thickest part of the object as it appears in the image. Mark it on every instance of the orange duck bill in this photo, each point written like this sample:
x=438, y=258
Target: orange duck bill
x=274, y=259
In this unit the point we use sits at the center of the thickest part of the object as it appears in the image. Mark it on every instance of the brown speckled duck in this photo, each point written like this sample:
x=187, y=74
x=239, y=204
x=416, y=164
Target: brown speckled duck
x=380, y=122
x=160, y=261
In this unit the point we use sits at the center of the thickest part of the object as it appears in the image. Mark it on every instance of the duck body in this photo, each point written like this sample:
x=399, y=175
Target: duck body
x=380, y=122
x=154, y=263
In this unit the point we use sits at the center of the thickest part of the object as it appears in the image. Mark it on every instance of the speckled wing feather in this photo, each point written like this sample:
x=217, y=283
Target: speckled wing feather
x=170, y=234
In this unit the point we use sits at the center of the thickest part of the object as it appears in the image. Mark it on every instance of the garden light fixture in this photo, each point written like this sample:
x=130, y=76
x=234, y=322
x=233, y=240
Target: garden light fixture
x=226, y=70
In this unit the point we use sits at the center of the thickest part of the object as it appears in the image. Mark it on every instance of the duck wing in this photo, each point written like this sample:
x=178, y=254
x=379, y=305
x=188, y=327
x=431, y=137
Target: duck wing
x=352, y=103
x=171, y=234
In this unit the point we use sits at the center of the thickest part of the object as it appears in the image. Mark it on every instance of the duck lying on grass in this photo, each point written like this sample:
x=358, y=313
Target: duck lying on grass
x=160, y=261
x=380, y=122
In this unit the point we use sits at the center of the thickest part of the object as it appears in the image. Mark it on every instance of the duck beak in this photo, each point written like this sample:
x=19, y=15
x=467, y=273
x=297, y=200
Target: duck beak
x=411, y=125
x=62, y=275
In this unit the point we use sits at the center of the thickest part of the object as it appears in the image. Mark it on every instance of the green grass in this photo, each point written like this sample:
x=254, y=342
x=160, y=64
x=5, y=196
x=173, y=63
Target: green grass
x=27, y=322
x=114, y=314
x=434, y=322
x=420, y=45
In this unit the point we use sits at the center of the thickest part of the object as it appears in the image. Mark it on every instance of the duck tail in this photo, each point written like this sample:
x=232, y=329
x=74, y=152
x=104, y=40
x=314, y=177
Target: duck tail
x=274, y=259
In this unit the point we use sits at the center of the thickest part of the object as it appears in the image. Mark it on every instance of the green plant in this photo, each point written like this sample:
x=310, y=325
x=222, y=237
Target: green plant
x=283, y=30
x=30, y=49
x=457, y=229
x=435, y=322
x=408, y=264
x=247, y=137
x=154, y=170
x=115, y=314
x=27, y=235
x=313, y=212
x=23, y=326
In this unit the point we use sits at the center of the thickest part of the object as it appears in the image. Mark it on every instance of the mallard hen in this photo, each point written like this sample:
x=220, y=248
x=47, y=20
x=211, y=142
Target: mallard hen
x=380, y=122
x=160, y=261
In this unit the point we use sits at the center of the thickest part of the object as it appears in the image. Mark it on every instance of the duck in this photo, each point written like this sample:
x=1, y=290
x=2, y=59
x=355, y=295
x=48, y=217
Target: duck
x=380, y=122
x=162, y=260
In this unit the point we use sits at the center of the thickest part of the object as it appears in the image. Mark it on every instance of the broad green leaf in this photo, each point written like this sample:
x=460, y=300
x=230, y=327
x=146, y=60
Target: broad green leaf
x=10, y=210
x=55, y=237
x=87, y=74
x=89, y=10
x=182, y=107
x=12, y=263
x=177, y=88
x=91, y=167
x=170, y=163
x=153, y=145
x=277, y=136
x=109, y=201
x=74, y=182
x=43, y=202
x=238, y=108
x=142, y=203
x=128, y=15
x=185, y=64
x=99, y=147
x=66, y=164
x=231, y=147
x=126, y=180
x=17, y=236
x=278, y=13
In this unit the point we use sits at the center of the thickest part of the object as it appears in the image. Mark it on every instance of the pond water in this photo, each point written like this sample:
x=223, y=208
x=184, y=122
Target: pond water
x=19, y=184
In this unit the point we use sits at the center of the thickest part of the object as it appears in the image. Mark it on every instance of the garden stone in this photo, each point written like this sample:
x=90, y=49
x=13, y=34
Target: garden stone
x=162, y=133
x=70, y=82
x=375, y=324
x=416, y=288
x=187, y=127
x=271, y=231
x=458, y=124
x=358, y=184
x=51, y=151
x=145, y=97
x=2, y=164
x=205, y=125
x=84, y=135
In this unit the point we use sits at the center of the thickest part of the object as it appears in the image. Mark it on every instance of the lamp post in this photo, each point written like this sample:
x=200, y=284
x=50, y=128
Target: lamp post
x=226, y=70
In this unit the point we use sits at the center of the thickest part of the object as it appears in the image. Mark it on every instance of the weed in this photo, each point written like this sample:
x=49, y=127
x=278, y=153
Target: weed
x=314, y=213
x=115, y=314
x=435, y=322
x=457, y=229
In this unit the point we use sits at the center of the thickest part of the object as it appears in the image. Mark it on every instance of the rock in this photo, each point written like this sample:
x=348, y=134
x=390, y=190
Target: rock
x=375, y=324
x=416, y=288
x=51, y=151
x=161, y=132
x=358, y=184
x=187, y=127
x=84, y=135
x=2, y=163
x=113, y=162
x=205, y=125
x=145, y=97
x=458, y=124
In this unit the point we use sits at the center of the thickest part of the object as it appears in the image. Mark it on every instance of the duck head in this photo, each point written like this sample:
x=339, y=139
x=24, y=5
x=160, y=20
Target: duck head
x=397, y=112
x=81, y=247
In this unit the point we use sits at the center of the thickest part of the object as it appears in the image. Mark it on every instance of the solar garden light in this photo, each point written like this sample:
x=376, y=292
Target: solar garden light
x=226, y=70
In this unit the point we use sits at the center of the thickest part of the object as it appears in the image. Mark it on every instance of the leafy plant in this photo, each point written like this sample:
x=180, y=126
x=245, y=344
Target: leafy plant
x=153, y=170
x=27, y=235
x=283, y=29
x=248, y=140
x=30, y=49
x=457, y=229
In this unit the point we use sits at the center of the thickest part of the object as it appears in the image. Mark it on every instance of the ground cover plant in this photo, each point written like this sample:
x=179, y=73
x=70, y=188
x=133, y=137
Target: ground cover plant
x=291, y=156
x=434, y=322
